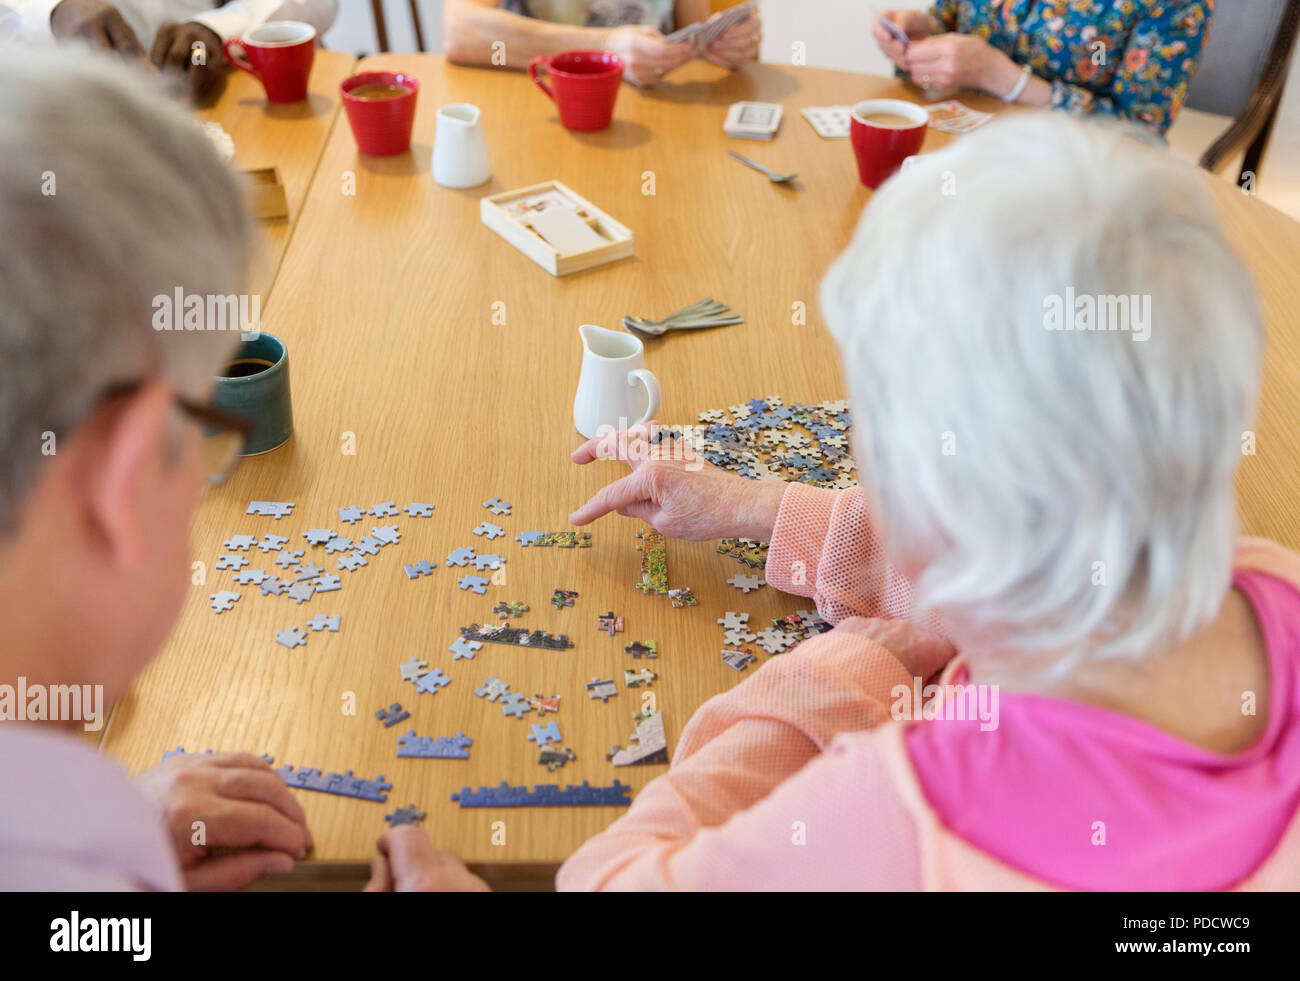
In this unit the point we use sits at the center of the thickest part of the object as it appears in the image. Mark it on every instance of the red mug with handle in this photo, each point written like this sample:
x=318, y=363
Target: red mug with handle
x=884, y=132
x=585, y=85
x=279, y=55
x=382, y=126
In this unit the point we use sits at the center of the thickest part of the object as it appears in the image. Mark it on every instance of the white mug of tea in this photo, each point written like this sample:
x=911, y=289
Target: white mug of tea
x=615, y=390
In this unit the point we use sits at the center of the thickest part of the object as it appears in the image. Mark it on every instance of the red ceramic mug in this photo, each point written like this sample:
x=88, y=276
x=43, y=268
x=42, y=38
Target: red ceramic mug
x=585, y=86
x=279, y=55
x=884, y=132
x=381, y=124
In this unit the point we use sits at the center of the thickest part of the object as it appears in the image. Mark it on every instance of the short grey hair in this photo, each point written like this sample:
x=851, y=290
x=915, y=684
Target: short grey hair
x=1005, y=459
x=140, y=206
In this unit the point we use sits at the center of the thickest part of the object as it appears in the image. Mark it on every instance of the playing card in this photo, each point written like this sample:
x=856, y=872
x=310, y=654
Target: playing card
x=830, y=122
x=895, y=31
x=953, y=117
x=705, y=33
x=565, y=230
x=537, y=203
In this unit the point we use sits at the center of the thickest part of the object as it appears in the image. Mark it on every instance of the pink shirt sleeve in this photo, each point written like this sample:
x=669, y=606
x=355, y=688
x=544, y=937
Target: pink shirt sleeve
x=824, y=547
x=729, y=796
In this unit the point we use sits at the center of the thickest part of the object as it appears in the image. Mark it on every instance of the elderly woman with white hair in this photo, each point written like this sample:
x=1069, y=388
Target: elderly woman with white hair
x=1046, y=533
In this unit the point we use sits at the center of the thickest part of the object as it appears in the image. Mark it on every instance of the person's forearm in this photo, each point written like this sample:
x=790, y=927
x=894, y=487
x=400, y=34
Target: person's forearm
x=477, y=35
x=1006, y=75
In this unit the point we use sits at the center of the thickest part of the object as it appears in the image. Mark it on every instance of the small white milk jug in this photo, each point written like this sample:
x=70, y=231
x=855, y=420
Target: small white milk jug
x=460, y=156
x=610, y=385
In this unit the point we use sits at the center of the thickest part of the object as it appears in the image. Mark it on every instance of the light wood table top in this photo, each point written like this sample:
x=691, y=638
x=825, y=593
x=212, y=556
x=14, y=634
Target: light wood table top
x=288, y=136
x=386, y=300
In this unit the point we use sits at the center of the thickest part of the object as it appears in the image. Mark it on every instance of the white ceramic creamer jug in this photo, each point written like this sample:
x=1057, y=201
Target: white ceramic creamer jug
x=460, y=155
x=614, y=390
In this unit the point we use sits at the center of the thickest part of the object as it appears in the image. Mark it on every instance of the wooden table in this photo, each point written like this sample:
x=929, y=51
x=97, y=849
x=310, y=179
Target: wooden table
x=386, y=300
x=289, y=137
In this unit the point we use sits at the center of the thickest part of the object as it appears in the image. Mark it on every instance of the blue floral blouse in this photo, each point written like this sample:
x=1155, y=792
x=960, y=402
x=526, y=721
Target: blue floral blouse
x=1127, y=58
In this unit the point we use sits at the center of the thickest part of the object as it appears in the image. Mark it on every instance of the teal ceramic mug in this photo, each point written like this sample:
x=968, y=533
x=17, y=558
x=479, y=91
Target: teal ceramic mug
x=254, y=384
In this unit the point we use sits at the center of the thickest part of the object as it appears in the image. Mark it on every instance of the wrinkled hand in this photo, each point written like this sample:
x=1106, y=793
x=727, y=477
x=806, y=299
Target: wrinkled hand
x=952, y=61
x=647, y=57
x=227, y=800
x=676, y=492
x=99, y=24
x=175, y=53
x=738, y=44
x=408, y=862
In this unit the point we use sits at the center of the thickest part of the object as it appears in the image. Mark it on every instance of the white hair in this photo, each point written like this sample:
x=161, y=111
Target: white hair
x=1066, y=492
x=109, y=197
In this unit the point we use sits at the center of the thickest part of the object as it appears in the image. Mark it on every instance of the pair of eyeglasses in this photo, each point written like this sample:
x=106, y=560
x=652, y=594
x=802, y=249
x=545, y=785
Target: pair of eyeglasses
x=224, y=434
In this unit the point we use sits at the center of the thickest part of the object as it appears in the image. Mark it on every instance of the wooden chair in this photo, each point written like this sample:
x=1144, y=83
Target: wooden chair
x=1242, y=74
x=381, y=26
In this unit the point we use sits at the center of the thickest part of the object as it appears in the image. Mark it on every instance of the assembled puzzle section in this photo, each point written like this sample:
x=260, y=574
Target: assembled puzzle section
x=545, y=795
x=556, y=227
x=654, y=562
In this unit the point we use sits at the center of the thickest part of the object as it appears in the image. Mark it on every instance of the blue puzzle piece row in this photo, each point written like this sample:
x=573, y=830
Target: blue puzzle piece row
x=545, y=795
x=427, y=747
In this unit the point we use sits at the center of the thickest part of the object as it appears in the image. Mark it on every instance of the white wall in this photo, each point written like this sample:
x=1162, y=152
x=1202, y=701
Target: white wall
x=835, y=33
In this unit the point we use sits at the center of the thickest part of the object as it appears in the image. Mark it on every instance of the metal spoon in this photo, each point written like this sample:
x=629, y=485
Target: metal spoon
x=773, y=177
x=705, y=313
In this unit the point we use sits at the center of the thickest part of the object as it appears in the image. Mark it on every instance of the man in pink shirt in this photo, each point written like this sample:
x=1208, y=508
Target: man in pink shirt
x=109, y=198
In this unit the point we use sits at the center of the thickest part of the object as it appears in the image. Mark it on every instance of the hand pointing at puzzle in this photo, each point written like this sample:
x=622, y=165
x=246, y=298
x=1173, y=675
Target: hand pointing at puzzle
x=675, y=491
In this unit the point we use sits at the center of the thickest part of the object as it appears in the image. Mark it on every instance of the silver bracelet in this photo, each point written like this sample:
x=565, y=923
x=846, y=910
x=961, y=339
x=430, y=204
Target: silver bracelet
x=1014, y=94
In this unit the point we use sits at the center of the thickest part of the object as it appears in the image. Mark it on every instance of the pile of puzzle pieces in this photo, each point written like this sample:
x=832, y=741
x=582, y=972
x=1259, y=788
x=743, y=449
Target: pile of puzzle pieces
x=759, y=439
x=784, y=633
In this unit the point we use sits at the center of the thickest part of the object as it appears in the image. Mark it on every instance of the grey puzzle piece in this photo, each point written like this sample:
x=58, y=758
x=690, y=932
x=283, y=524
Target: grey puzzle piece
x=386, y=534
x=322, y=622
x=492, y=689
x=421, y=568
x=272, y=586
x=291, y=638
x=272, y=543
x=515, y=704
x=350, y=515
x=232, y=562
x=250, y=577
x=285, y=558
x=385, y=510
x=337, y=544
x=223, y=600
x=300, y=592
x=309, y=570
x=318, y=536
x=419, y=510
x=367, y=546
x=352, y=561
x=327, y=582
x=491, y=531
x=413, y=668
x=734, y=621
x=239, y=543
x=746, y=584
x=433, y=681
x=482, y=562
x=497, y=506
x=541, y=735
x=526, y=538
x=273, y=509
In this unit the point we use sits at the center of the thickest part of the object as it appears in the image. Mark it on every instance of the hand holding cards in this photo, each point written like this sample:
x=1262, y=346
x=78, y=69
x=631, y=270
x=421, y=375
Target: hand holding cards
x=705, y=32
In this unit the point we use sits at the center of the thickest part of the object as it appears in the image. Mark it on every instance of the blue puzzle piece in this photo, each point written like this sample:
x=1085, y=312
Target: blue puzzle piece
x=541, y=735
x=350, y=514
x=405, y=815
x=339, y=784
x=392, y=715
x=526, y=538
x=545, y=795
x=464, y=649
x=462, y=556
x=421, y=568
x=419, y=510
x=432, y=681
x=426, y=747
x=515, y=704
x=477, y=584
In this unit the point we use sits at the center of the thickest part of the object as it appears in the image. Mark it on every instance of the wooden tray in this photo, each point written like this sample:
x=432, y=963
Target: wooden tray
x=497, y=215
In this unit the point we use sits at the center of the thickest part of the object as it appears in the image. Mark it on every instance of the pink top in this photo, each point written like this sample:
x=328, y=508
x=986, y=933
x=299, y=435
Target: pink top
x=790, y=781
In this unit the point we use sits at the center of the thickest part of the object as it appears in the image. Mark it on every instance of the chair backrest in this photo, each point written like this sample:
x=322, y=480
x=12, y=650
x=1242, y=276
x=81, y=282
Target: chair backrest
x=1241, y=37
